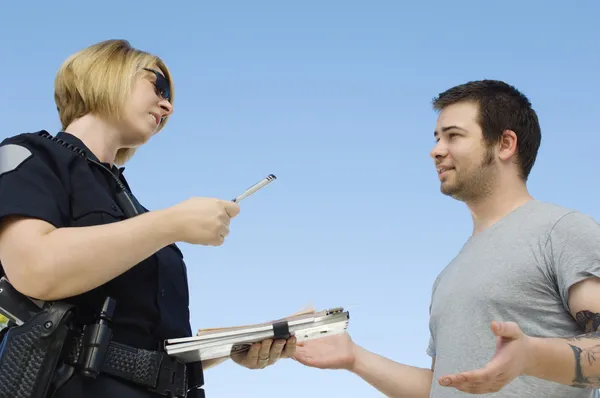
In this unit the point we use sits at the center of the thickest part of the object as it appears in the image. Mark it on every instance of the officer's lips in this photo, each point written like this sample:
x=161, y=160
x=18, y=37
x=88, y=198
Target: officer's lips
x=156, y=117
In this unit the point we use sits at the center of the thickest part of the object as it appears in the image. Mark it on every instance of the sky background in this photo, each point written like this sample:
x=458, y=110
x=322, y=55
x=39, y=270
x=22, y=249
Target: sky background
x=334, y=97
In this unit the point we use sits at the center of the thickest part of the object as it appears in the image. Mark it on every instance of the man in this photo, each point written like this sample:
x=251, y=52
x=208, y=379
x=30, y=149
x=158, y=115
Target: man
x=525, y=285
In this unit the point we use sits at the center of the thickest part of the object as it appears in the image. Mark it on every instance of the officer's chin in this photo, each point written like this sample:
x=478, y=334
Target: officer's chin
x=139, y=136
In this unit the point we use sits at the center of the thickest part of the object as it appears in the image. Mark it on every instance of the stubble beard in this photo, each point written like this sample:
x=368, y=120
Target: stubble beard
x=475, y=184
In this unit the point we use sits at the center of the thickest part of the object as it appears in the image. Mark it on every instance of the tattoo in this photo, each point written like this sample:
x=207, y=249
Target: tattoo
x=586, y=358
x=588, y=320
x=587, y=336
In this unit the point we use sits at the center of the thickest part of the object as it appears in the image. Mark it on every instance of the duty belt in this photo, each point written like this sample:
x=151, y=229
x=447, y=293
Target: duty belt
x=93, y=352
x=154, y=370
x=40, y=340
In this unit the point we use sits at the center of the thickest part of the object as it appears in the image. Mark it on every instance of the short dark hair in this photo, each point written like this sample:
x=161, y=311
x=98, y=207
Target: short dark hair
x=501, y=107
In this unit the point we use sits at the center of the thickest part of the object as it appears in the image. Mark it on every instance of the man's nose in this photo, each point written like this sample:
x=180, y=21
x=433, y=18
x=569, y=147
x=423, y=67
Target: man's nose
x=438, y=151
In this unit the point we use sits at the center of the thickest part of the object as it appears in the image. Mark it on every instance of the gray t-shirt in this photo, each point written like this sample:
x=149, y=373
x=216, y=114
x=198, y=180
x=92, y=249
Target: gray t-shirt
x=520, y=270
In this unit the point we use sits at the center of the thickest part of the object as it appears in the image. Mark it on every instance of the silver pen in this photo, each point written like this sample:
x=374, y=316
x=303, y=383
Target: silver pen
x=261, y=184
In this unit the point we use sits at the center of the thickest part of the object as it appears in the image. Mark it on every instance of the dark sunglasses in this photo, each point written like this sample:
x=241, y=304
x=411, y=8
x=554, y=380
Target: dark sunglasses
x=162, y=85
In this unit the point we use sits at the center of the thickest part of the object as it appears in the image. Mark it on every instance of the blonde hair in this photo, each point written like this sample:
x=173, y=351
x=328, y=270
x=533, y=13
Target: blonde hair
x=98, y=80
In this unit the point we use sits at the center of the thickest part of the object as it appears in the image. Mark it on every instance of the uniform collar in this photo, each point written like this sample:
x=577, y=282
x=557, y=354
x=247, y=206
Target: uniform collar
x=71, y=139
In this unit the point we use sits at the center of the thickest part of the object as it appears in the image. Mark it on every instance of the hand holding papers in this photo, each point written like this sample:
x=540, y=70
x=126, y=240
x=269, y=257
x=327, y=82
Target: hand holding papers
x=266, y=353
x=223, y=342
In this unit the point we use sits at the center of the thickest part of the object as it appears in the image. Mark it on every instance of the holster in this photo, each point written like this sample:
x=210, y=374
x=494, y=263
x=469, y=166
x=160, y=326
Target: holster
x=30, y=353
x=41, y=349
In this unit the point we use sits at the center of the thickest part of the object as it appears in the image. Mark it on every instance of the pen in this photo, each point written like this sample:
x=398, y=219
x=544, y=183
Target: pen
x=262, y=183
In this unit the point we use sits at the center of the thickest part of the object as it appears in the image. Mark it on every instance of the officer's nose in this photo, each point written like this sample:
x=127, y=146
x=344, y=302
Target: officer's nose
x=166, y=108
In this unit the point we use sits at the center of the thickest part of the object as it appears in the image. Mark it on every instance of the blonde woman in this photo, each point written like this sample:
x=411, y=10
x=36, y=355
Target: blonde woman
x=70, y=228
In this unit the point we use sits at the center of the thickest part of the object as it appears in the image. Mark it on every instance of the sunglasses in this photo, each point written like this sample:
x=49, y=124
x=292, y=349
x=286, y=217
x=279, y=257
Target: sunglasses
x=161, y=84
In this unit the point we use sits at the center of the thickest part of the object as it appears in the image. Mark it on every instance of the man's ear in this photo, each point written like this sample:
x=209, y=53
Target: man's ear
x=507, y=145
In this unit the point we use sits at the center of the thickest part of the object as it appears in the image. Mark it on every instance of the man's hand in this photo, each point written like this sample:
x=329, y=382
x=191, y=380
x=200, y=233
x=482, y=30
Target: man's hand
x=332, y=352
x=265, y=353
x=514, y=356
x=388, y=377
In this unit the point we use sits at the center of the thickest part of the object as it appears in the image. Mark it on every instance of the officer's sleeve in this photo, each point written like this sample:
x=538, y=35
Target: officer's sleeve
x=573, y=248
x=29, y=186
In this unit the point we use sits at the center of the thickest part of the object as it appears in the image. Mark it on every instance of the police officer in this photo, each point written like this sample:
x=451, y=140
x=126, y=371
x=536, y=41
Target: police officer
x=71, y=230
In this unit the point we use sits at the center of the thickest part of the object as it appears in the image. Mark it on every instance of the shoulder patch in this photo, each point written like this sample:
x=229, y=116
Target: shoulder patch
x=12, y=156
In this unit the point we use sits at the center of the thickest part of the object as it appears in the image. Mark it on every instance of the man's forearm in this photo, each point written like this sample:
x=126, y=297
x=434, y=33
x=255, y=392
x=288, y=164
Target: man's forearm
x=391, y=378
x=574, y=361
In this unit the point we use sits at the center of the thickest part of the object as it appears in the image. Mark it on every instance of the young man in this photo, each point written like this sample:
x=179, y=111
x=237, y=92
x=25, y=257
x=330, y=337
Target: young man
x=525, y=285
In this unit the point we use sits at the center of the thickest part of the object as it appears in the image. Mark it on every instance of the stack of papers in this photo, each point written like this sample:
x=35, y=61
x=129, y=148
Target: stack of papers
x=222, y=342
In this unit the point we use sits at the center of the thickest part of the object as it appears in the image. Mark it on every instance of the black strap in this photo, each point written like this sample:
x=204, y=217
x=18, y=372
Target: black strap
x=154, y=370
x=281, y=330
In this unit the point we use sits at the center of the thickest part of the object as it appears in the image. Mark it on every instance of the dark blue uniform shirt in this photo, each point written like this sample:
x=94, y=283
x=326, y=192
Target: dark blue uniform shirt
x=48, y=181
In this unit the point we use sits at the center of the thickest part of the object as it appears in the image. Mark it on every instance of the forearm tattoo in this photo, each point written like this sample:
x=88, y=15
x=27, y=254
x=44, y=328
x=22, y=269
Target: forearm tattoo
x=585, y=358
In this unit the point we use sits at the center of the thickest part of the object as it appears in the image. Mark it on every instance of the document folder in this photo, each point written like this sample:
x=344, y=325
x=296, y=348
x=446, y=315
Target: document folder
x=221, y=343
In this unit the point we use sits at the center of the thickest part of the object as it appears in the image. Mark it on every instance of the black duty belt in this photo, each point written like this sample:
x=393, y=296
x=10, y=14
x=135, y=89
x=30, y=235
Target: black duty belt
x=93, y=352
x=154, y=370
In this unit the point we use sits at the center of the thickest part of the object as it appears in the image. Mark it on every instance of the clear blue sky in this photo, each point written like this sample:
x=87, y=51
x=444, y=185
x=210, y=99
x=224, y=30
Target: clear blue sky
x=334, y=98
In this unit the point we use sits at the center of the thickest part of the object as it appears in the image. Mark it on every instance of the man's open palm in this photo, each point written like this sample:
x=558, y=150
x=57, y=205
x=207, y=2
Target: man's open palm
x=333, y=352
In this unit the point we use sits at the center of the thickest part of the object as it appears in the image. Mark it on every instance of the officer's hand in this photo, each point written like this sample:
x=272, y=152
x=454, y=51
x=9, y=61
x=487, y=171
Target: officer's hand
x=265, y=353
x=204, y=221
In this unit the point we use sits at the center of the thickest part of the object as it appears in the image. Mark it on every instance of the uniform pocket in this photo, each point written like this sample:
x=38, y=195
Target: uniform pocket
x=91, y=207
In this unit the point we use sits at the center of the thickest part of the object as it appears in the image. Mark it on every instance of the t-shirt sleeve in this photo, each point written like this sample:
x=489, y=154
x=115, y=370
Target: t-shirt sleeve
x=29, y=186
x=573, y=248
x=431, y=347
